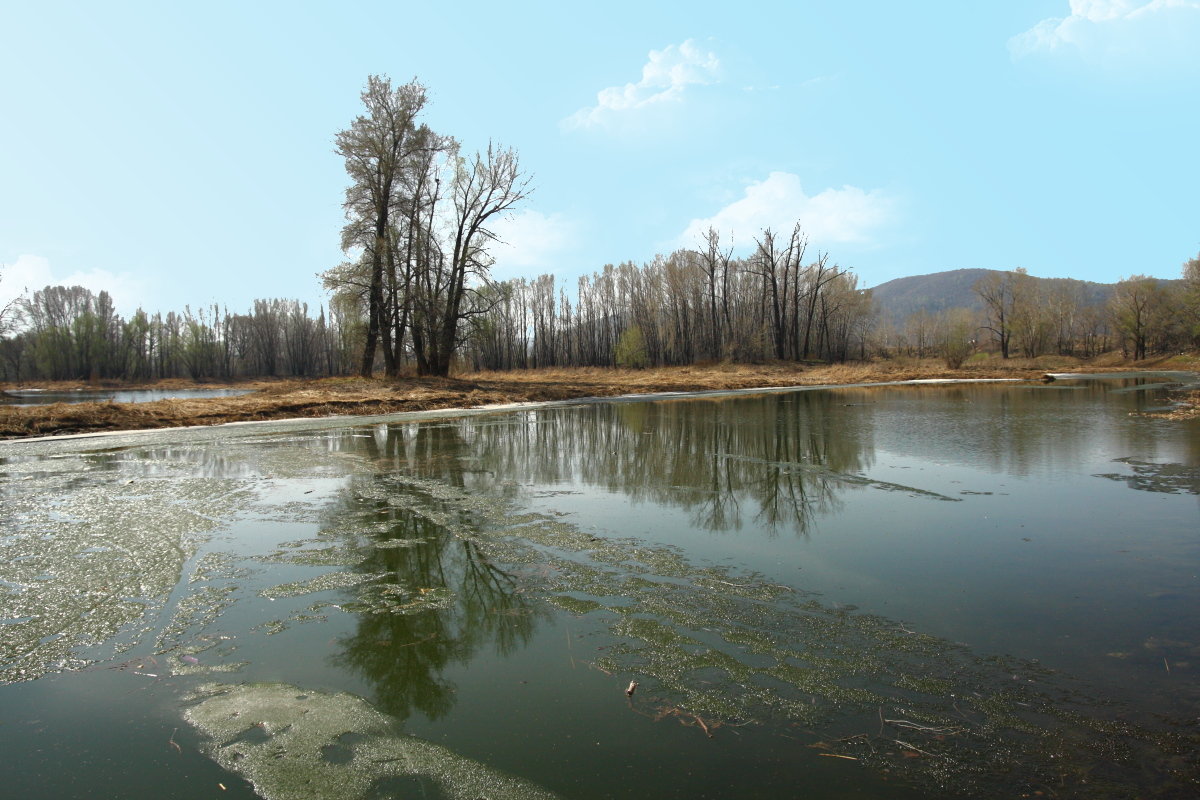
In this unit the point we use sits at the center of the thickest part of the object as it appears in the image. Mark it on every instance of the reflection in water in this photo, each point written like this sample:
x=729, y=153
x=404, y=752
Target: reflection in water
x=25, y=398
x=435, y=553
x=1167, y=478
x=425, y=597
x=715, y=646
x=405, y=654
x=768, y=460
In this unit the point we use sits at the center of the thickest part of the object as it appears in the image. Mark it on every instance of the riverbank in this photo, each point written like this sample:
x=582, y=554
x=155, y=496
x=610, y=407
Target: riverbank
x=357, y=396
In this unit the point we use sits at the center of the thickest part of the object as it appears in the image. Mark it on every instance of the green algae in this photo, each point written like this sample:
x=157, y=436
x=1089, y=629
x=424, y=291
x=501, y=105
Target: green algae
x=329, y=581
x=574, y=605
x=293, y=744
x=925, y=684
x=732, y=648
x=89, y=565
x=725, y=644
x=392, y=598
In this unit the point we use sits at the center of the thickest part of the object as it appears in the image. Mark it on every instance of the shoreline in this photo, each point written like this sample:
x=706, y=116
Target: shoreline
x=275, y=401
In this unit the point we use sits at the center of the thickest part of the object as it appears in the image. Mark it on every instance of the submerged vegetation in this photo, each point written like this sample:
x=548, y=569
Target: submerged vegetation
x=425, y=554
x=355, y=581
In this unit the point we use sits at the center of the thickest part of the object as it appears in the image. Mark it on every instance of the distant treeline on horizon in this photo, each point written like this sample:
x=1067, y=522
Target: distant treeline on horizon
x=694, y=306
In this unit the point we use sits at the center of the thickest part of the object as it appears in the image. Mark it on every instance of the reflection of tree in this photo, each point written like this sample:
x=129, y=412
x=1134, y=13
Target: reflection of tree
x=445, y=600
x=775, y=457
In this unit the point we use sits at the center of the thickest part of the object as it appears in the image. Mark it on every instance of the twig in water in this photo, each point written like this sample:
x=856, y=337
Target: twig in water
x=944, y=731
x=915, y=748
x=174, y=743
x=753, y=585
x=684, y=716
x=836, y=755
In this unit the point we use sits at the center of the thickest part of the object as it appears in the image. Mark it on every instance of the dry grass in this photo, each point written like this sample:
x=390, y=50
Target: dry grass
x=357, y=396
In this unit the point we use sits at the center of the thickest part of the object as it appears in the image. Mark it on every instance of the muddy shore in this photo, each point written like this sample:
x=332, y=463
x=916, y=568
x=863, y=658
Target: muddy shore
x=271, y=400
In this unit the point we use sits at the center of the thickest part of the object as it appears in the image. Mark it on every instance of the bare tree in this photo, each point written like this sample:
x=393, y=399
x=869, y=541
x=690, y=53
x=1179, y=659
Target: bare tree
x=996, y=291
x=455, y=261
x=8, y=311
x=377, y=148
x=1191, y=298
x=1141, y=310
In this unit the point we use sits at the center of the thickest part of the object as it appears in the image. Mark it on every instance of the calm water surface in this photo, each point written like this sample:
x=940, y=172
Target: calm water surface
x=886, y=592
x=36, y=397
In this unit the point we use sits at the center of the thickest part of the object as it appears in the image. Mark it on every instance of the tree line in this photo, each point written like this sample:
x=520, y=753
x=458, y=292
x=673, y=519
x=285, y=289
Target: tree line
x=691, y=306
x=415, y=294
x=70, y=333
x=1021, y=315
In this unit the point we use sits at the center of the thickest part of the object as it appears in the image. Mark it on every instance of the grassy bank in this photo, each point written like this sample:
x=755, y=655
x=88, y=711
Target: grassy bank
x=357, y=396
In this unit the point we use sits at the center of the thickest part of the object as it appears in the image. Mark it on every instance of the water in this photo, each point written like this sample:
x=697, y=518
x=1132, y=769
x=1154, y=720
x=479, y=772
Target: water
x=36, y=397
x=890, y=592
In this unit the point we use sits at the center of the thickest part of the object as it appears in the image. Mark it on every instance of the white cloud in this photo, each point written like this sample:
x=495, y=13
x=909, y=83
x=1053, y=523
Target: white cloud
x=531, y=241
x=845, y=215
x=31, y=273
x=665, y=77
x=1118, y=33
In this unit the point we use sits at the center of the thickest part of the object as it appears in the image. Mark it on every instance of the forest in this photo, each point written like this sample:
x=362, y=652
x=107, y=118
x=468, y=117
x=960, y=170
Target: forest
x=415, y=295
x=694, y=306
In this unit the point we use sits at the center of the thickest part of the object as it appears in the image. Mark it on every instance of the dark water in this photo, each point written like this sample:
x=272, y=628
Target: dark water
x=891, y=592
x=34, y=397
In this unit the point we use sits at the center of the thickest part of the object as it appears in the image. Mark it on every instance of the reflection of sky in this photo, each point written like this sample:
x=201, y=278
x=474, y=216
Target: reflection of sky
x=1020, y=430
x=986, y=515
x=1040, y=555
x=941, y=505
x=37, y=398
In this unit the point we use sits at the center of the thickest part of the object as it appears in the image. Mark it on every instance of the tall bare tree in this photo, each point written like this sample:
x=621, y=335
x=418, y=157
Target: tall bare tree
x=455, y=263
x=378, y=148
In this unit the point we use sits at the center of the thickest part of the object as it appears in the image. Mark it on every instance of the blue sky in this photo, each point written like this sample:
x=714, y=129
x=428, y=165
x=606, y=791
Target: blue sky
x=183, y=153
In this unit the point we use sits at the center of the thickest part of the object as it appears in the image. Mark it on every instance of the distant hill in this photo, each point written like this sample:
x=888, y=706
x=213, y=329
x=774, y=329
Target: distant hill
x=954, y=288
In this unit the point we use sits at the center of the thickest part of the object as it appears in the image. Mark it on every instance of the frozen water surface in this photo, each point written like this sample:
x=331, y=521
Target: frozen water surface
x=905, y=591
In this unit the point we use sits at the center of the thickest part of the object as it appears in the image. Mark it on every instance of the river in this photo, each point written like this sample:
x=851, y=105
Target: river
x=904, y=591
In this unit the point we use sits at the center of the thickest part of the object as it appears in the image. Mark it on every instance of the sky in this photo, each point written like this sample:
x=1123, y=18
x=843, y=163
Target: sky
x=181, y=154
